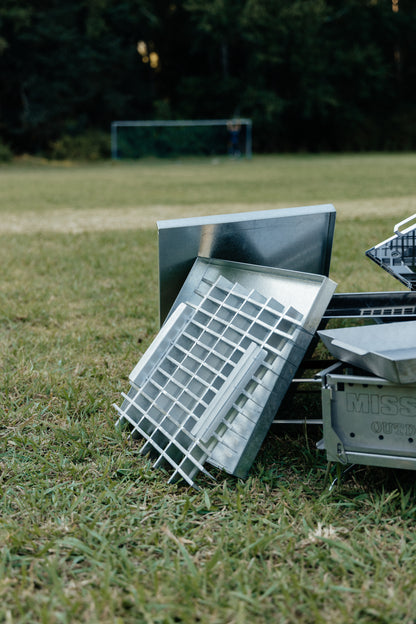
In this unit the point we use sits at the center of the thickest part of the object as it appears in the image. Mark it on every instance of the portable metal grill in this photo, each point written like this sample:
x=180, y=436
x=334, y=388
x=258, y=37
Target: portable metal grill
x=367, y=419
x=369, y=399
x=397, y=254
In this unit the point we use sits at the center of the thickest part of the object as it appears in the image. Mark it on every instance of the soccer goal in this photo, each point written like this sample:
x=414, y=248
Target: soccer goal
x=207, y=137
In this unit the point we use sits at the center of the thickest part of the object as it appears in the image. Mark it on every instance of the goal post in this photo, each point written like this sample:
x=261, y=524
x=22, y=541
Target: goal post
x=163, y=137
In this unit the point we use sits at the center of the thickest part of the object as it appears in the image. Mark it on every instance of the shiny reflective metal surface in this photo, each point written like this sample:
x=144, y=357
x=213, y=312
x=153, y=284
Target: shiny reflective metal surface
x=200, y=389
x=306, y=292
x=209, y=386
x=368, y=420
x=299, y=239
x=186, y=386
x=397, y=254
x=302, y=298
x=387, y=350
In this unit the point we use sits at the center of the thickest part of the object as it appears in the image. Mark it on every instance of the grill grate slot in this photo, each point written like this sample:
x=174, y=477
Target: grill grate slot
x=199, y=391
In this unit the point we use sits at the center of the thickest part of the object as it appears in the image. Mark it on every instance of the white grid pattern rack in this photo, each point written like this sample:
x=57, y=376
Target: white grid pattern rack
x=199, y=390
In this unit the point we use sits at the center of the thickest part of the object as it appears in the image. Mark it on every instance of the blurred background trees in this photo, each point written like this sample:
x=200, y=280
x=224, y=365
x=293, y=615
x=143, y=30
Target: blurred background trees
x=312, y=74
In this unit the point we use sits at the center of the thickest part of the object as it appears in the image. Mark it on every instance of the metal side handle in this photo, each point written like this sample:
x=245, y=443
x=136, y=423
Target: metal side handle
x=398, y=225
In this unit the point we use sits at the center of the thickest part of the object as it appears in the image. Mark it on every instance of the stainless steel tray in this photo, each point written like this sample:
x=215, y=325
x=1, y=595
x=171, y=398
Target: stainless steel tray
x=210, y=384
x=387, y=350
x=199, y=390
x=302, y=299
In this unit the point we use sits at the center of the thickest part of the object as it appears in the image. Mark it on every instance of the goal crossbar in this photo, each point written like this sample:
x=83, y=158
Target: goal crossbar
x=180, y=123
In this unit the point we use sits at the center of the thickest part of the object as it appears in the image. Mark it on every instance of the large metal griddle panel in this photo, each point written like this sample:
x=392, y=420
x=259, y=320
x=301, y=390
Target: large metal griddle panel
x=298, y=239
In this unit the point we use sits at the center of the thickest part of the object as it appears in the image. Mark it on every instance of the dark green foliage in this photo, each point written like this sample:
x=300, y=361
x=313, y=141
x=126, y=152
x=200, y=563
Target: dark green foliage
x=313, y=74
x=68, y=67
x=93, y=145
x=333, y=68
x=5, y=153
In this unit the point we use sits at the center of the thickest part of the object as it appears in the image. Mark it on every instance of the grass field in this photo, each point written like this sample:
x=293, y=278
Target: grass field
x=89, y=532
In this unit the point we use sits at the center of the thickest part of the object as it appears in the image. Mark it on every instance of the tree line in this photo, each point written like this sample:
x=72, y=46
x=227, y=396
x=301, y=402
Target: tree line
x=312, y=74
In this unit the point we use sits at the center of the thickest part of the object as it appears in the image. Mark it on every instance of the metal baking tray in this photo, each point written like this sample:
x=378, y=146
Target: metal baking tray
x=397, y=254
x=199, y=390
x=387, y=350
x=298, y=239
x=308, y=293
x=367, y=419
x=302, y=299
x=209, y=386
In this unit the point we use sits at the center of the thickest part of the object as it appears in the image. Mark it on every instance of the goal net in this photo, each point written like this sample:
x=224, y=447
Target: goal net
x=207, y=137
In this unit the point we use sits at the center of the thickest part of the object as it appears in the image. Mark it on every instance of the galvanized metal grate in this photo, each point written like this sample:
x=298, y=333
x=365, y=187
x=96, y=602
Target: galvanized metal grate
x=248, y=315
x=199, y=390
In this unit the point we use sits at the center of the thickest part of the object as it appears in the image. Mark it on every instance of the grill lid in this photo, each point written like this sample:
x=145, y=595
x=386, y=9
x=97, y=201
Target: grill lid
x=387, y=350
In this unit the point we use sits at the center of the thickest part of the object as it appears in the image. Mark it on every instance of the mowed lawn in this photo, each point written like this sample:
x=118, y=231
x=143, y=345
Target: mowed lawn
x=89, y=531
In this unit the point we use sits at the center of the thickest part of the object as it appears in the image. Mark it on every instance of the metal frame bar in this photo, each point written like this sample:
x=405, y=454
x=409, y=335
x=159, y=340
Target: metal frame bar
x=395, y=305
